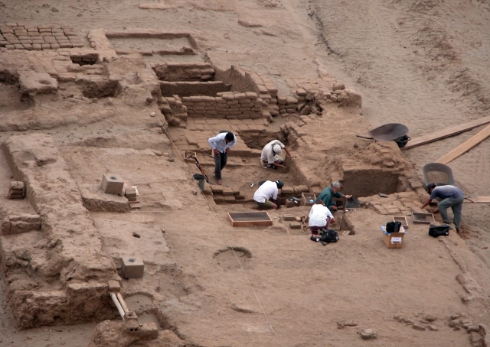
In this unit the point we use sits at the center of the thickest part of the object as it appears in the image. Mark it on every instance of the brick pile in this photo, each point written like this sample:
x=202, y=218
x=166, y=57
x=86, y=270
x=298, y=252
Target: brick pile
x=42, y=37
x=173, y=107
x=228, y=105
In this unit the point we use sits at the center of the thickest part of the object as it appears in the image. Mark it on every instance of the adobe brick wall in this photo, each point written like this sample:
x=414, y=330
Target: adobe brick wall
x=228, y=105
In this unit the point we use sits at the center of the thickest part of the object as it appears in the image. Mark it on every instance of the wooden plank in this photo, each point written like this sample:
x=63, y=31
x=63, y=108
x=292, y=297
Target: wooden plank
x=447, y=132
x=478, y=199
x=465, y=146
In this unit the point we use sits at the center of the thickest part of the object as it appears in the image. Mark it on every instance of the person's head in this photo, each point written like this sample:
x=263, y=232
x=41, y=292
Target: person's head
x=277, y=149
x=320, y=202
x=430, y=187
x=336, y=186
x=280, y=184
x=229, y=137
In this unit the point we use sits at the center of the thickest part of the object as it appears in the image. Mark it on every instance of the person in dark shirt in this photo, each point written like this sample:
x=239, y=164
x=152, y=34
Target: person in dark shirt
x=329, y=193
x=450, y=196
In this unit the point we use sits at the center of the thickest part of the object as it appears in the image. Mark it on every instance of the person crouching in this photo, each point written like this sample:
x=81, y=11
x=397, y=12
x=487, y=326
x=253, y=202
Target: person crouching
x=320, y=217
x=266, y=195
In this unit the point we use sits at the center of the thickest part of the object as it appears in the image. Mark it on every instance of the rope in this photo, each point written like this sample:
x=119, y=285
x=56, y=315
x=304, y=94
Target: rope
x=229, y=244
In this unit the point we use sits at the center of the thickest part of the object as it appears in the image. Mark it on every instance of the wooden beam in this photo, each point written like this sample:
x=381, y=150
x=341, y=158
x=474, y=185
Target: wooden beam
x=447, y=132
x=477, y=199
x=465, y=146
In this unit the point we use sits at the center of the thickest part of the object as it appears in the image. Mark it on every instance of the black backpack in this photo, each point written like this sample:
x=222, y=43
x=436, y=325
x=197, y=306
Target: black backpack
x=439, y=230
x=328, y=236
x=393, y=227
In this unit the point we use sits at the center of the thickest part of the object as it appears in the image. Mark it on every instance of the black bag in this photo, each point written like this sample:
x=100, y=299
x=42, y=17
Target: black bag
x=393, y=227
x=328, y=236
x=439, y=230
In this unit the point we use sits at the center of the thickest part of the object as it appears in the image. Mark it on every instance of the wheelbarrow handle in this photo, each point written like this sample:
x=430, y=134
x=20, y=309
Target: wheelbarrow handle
x=365, y=137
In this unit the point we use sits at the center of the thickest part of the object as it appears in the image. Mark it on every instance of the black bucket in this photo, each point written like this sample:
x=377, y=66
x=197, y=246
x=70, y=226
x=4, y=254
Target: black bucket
x=201, y=179
x=402, y=141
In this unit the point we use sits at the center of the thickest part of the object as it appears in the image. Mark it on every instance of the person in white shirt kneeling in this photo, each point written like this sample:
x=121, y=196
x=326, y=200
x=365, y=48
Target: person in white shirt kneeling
x=320, y=217
x=266, y=195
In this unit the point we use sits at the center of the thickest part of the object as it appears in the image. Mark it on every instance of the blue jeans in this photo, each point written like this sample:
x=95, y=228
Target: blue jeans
x=219, y=163
x=457, y=207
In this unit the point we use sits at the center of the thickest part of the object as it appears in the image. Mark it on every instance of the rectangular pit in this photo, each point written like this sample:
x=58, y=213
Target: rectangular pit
x=246, y=219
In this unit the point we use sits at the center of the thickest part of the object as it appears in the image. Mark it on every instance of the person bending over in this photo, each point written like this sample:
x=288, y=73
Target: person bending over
x=266, y=195
x=450, y=196
x=320, y=217
x=221, y=145
x=271, y=155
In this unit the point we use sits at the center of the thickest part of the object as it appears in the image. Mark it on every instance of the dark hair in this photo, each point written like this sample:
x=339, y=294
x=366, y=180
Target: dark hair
x=229, y=136
x=280, y=184
x=430, y=186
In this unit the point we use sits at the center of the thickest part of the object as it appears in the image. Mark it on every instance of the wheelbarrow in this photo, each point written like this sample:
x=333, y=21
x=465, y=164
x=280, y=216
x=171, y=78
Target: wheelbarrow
x=389, y=132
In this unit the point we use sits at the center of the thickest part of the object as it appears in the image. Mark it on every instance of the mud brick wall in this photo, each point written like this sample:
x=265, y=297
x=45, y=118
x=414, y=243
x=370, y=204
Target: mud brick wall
x=183, y=72
x=287, y=104
x=227, y=105
x=242, y=81
x=210, y=88
x=60, y=274
x=42, y=37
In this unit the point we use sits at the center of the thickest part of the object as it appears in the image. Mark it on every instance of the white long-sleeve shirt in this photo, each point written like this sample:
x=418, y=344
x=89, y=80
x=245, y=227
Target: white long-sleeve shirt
x=218, y=142
x=268, y=190
x=318, y=215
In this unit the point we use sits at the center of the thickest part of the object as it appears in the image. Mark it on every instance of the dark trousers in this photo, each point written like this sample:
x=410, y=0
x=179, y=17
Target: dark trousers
x=219, y=164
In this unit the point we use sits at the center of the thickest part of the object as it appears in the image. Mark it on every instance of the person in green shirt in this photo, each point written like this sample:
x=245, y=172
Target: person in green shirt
x=329, y=193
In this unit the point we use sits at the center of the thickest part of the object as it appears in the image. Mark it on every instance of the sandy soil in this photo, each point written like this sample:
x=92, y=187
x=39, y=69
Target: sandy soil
x=423, y=63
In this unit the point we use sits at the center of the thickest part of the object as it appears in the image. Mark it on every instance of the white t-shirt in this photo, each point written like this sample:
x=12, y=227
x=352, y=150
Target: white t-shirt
x=267, y=153
x=266, y=191
x=318, y=216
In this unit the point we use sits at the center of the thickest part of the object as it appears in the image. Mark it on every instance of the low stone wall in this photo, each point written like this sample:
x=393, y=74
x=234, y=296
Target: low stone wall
x=227, y=105
x=58, y=275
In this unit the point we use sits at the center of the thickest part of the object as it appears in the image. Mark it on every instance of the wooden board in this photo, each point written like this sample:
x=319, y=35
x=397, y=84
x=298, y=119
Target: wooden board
x=465, y=146
x=247, y=219
x=477, y=199
x=447, y=132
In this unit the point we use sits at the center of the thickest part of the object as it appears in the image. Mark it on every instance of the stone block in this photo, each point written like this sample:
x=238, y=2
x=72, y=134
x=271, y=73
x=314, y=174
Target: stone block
x=131, y=194
x=112, y=184
x=289, y=217
x=114, y=286
x=295, y=225
x=32, y=83
x=132, y=267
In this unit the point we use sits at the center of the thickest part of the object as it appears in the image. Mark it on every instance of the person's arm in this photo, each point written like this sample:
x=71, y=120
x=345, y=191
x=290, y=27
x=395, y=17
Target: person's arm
x=279, y=165
x=427, y=203
x=286, y=149
x=213, y=142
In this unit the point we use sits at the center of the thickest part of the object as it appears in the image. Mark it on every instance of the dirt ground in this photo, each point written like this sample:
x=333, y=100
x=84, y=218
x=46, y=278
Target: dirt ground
x=423, y=63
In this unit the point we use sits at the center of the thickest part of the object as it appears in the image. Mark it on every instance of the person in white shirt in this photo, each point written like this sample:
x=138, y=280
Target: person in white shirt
x=320, y=217
x=221, y=145
x=266, y=195
x=271, y=155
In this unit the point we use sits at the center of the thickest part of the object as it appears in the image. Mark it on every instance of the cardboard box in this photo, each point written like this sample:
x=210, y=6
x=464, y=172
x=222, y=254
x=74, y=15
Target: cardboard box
x=402, y=220
x=308, y=199
x=393, y=240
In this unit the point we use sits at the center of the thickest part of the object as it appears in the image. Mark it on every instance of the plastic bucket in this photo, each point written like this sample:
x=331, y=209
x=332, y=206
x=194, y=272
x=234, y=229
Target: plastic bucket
x=199, y=178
